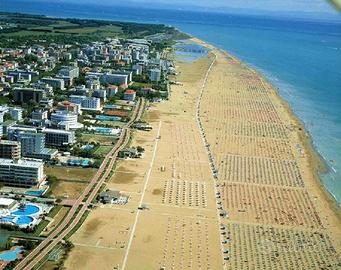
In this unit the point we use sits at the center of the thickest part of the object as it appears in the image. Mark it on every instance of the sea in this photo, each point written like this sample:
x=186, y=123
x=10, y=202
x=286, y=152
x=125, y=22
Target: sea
x=300, y=57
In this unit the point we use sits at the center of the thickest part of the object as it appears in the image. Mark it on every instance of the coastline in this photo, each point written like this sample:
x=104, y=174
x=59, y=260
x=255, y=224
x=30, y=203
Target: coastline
x=233, y=180
x=316, y=161
x=177, y=215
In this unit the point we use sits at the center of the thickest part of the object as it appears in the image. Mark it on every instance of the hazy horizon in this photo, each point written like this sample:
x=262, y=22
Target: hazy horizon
x=300, y=9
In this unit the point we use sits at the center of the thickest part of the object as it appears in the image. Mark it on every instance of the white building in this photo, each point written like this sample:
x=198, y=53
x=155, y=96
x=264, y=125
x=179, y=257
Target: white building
x=55, y=83
x=117, y=79
x=69, y=71
x=86, y=103
x=76, y=99
x=3, y=110
x=66, y=118
x=39, y=115
x=6, y=203
x=16, y=113
x=21, y=173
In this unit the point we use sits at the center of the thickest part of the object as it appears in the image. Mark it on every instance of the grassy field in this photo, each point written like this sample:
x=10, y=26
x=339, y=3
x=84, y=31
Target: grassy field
x=71, y=180
x=108, y=29
x=103, y=150
x=112, y=123
x=97, y=138
x=70, y=173
x=58, y=217
x=68, y=190
x=142, y=85
x=40, y=29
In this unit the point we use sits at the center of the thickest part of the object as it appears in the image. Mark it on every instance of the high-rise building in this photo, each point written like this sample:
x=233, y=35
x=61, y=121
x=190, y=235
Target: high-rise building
x=54, y=82
x=16, y=113
x=31, y=143
x=39, y=115
x=100, y=93
x=10, y=149
x=28, y=94
x=87, y=103
x=57, y=137
x=69, y=71
x=21, y=173
x=117, y=79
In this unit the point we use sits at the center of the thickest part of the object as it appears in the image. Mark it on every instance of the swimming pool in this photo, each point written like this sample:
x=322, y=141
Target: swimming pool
x=11, y=255
x=79, y=162
x=36, y=193
x=7, y=219
x=103, y=130
x=29, y=209
x=108, y=118
x=85, y=163
x=24, y=220
x=21, y=220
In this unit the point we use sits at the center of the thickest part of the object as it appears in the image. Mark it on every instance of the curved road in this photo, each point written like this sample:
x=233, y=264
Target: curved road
x=75, y=214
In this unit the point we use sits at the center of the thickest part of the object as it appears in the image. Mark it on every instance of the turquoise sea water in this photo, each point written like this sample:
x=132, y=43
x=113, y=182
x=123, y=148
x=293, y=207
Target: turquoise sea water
x=301, y=58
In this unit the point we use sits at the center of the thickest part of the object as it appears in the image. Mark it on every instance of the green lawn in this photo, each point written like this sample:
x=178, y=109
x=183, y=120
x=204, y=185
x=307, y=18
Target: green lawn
x=44, y=30
x=70, y=173
x=97, y=138
x=112, y=123
x=103, y=150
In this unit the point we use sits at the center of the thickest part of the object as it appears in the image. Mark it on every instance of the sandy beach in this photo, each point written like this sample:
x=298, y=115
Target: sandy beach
x=278, y=216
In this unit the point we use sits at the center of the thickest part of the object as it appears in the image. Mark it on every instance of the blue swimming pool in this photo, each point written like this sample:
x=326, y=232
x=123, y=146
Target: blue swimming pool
x=7, y=219
x=103, y=130
x=29, y=209
x=18, y=220
x=79, y=162
x=35, y=193
x=85, y=163
x=12, y=255
x=107, y=118
x=24, y=220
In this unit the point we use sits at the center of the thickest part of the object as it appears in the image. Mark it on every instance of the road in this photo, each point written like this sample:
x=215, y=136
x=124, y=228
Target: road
x=208, y=150
x=80, y=206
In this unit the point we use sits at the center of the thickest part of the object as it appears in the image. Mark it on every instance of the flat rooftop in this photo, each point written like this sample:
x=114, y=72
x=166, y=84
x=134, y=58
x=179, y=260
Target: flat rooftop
x=59, y=131
x=5, y=201
x=7, y=142
x=21, y=163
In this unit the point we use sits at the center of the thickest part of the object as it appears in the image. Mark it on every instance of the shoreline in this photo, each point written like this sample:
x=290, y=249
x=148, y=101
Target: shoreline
x=316, y=162
x=176, y=164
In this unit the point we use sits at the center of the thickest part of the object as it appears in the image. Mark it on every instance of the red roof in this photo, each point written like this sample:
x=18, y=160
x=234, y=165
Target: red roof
x=117, y=113
x=130, y=92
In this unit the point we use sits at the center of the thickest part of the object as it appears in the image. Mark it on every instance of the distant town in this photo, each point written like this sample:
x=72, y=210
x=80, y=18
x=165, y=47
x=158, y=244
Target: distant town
x=64, y=106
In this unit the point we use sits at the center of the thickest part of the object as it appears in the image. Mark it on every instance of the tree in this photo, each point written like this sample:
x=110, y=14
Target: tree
x=140, y=149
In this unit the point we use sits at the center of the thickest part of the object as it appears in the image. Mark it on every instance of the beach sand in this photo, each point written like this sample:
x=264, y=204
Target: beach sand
x=279, y=216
